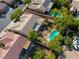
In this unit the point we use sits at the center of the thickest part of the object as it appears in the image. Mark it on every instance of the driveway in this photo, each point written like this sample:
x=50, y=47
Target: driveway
x=72, y=54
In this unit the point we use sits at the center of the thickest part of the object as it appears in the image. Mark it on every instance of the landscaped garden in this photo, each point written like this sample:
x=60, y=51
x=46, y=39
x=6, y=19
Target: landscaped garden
x=44, y=54
x=58, y=32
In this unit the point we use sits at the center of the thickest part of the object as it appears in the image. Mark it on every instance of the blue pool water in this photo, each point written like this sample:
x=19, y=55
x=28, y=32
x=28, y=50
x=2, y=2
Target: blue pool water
x=53, y=34
x=56, y=14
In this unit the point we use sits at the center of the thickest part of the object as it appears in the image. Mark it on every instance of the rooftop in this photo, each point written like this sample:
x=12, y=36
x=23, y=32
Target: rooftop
x=2, y=6
x=9, y=40
x=40, y=5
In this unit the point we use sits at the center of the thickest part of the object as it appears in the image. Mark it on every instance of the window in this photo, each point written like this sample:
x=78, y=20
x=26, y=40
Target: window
x=36, y=27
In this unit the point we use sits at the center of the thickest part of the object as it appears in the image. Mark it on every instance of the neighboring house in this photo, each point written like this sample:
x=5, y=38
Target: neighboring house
x=9, y=1
x=40, y=5
x=28, y=22
x=75, y=7
x=13, y=45
x=3, y=8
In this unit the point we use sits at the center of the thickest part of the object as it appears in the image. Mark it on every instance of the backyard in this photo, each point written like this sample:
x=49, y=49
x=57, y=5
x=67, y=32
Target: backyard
x=58, y=32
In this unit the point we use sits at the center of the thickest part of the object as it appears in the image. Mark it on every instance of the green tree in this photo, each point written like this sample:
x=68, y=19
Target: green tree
x=57, y=48
x=68, y=21
x=33, y=35
x=59, y=3
x=51, y=56
x=39, y=54
x=62, y=2
x=16, y=14
x=26, y=1
x=64, y=11
x=68, y=41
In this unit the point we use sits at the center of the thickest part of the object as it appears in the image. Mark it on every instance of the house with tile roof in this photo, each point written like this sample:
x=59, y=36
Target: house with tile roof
x=41, y=6
x=13, y=44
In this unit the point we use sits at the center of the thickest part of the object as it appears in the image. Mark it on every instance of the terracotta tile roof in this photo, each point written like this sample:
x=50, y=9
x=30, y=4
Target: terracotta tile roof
x=14, y=44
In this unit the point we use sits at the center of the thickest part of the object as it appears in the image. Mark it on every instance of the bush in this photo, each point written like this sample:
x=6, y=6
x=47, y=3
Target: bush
x=16, y=14
x=68, y=41
x=33, y=35
x=39, y=54
x=51, y=56
x=57, y=48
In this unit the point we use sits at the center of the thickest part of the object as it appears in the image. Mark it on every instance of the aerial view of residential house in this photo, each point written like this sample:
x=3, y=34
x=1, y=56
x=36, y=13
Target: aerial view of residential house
x=28, y=22
x=12, y=45
x=39, y=29
x=75, y=7
x=40, y=5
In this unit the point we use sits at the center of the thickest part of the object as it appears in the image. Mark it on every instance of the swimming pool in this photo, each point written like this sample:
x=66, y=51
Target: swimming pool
x=53, y=34
x=56, y=14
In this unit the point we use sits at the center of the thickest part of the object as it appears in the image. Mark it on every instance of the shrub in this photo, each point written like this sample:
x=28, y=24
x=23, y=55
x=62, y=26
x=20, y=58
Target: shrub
x=16, y=14
x=32, y=35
